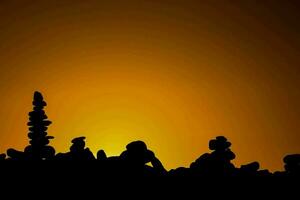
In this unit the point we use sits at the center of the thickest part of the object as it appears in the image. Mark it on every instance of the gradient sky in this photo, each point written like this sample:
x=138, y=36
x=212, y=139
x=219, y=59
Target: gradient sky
x=172, y=73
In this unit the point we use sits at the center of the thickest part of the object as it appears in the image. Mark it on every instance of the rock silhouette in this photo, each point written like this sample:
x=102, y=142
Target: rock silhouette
x=101, y=155
x=39, y=140
x=78, y=152
x=136, y=156
x=292, y=164
x=218, y=162
x=137, y=159
x=249, y=169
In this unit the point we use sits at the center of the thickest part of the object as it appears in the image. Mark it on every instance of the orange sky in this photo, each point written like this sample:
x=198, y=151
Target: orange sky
x=172, y=73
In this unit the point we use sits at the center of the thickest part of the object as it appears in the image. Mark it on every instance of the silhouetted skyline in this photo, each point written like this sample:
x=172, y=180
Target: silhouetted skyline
x=174, y=74
x=133, y=161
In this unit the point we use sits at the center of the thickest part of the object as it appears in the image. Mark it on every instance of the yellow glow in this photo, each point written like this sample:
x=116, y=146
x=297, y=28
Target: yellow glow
x=174, y=75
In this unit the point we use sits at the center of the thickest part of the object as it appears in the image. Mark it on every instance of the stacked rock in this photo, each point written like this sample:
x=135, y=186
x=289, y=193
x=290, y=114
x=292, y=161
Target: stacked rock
x=137, y=155
x=218, y=162
x=78, y=152
x=292, y=164
x=38, y=125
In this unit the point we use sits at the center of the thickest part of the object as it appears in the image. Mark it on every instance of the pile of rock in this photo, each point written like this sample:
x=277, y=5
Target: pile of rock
x=292, y=164
x=217, y=163
x=38, y=125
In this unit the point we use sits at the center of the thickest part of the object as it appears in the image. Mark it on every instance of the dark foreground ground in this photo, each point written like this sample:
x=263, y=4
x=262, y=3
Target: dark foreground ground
x=74, y=180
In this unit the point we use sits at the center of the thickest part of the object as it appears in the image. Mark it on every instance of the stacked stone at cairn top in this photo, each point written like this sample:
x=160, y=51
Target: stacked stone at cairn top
x=38, y=125
x=217, y=162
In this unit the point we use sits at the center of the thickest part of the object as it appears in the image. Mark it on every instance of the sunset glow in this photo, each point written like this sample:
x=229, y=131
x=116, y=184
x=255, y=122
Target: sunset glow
x=173, y=74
